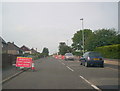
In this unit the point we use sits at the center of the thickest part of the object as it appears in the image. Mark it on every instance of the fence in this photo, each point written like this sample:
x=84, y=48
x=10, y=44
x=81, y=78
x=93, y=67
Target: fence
x=8, y=60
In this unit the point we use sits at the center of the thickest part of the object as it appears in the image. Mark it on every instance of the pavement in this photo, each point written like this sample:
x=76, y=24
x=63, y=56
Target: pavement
x=54, y=73
x=11, y=70
x=112, y=61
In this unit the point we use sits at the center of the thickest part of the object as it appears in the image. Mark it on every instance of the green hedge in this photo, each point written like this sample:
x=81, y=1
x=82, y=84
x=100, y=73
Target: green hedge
x=111, y=51
x=77, y=53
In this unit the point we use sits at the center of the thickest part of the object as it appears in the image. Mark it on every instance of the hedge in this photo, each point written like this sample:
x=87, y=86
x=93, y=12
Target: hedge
x=77, y=53
x=111, y=51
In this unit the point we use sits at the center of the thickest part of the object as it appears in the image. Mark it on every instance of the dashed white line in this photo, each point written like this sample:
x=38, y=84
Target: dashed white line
x=95, y=87
x=85, y=79
x=60, y=61
x=63, y=63
x=69, y=68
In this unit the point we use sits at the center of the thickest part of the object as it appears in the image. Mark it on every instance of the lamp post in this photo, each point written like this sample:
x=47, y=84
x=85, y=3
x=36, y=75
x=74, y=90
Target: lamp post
x=82, y=34
x=67, y=42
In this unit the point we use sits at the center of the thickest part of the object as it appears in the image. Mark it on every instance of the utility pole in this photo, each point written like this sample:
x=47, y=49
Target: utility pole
x=82, y=34
x=67, y=42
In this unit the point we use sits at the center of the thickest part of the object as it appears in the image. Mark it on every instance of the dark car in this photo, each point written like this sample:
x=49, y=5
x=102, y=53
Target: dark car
x=92, y=59
x=69, y=56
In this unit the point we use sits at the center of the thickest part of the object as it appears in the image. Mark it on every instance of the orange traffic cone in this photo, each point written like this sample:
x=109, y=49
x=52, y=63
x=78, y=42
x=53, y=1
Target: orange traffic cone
x=33, y=66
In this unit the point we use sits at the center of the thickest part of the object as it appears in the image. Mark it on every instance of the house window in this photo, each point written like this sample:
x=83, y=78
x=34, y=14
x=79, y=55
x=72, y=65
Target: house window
x=17, y=52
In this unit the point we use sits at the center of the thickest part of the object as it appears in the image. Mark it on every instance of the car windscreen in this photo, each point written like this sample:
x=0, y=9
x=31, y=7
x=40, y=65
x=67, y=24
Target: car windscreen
x=68, y=54
x=94, y=54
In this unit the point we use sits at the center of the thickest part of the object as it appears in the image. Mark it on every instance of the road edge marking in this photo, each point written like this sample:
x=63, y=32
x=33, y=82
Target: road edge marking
x=69, y=68
x=11, y=77
x=95, y=87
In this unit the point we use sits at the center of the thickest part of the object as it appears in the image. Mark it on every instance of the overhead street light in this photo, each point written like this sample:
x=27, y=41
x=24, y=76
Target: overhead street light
x=82, y=34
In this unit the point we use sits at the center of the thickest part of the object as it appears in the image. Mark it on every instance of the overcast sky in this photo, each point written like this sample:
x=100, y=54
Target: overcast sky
x=40, y=25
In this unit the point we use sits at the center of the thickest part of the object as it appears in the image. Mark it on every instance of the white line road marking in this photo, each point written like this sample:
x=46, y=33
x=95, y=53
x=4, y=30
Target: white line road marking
x=69, y=68
x=95, y=87
x=11, y=76
x=63, y=63
x=60, y=61
x=85, y=79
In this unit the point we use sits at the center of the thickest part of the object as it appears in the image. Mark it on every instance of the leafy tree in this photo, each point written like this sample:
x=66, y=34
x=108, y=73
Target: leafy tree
x=45, y=52
x=105, y=37
x=102, y=37
x=117, y=38
x=63, y=48
x=78, y=41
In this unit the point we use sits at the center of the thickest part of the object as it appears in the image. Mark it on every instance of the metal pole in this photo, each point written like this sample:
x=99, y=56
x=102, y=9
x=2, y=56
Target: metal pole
x=67, y=42
x=82, y=34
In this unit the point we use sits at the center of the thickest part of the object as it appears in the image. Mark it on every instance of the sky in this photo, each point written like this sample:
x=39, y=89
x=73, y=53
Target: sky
x=45, y=24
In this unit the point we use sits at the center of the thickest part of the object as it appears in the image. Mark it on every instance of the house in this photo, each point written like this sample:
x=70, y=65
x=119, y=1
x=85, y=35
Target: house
x=4, y=46
x=13, y=49
x=33, y=51
x=25, y=49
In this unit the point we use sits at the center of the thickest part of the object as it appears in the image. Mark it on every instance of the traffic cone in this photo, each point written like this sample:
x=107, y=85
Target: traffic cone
x=33, y=66
x=63, y=57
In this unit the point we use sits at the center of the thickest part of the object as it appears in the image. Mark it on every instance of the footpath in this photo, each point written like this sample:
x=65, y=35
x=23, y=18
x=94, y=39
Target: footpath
x=9, y=72
x=112, y=61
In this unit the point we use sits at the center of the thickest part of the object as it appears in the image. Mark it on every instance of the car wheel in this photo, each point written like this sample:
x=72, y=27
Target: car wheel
x=86, y=64
x=80, y=63
x=102, y=66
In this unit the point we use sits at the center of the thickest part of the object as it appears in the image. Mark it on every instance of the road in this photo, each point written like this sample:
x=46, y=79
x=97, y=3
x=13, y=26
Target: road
x=54, y=73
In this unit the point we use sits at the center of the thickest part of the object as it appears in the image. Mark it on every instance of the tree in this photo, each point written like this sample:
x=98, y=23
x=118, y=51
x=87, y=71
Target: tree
x=102, y=37
x=45, y=52
x=78, y=41
x=63, y=48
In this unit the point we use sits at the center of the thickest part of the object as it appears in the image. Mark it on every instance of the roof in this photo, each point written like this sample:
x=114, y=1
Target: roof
x=24, y=48
x=3, y=41
x=33, y=50
x=12, y=46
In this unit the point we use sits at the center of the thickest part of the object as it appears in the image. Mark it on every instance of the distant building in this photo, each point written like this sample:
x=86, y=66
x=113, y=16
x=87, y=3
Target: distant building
x=26, y=50
x=4, y=45
x=13, y=49
x=33, y=51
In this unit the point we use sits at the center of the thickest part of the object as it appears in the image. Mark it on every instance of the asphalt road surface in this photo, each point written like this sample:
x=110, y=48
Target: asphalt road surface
x=54, y=73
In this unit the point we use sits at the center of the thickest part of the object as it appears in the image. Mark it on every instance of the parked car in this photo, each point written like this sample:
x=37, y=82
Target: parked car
x=69, y=56
x=92, y=59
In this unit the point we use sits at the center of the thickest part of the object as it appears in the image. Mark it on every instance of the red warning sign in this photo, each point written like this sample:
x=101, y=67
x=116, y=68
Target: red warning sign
x=23, y=62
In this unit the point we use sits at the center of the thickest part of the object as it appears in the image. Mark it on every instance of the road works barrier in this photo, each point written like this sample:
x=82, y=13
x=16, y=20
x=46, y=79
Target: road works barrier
x=59, y=57
x=25, y=62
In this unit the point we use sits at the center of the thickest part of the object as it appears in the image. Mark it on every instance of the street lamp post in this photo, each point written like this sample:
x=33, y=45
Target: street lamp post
x=82, y=34
x=67, y=42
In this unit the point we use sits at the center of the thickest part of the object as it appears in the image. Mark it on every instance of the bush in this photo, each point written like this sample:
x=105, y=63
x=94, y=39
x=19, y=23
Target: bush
x=77, y=53
x=111, y=51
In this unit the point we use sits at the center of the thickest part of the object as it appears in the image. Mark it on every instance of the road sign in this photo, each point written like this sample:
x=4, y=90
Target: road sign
x=23, y=62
